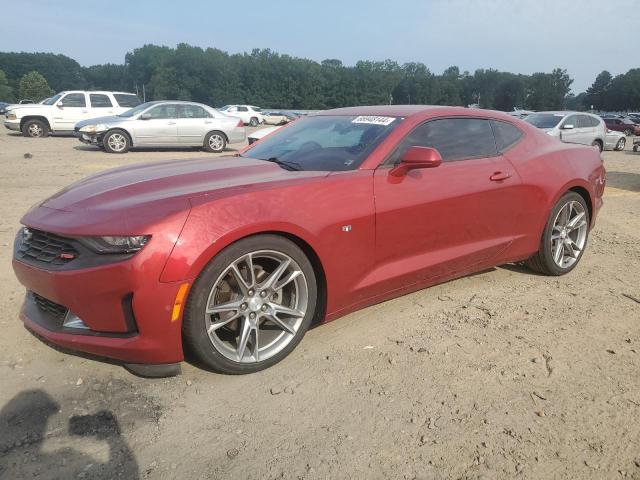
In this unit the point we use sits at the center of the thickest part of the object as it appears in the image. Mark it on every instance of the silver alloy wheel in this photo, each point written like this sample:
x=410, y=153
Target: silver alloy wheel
x=35, y=130
x=256, y=306
x=621, y=144
x=117, y=142
x=216, y=142
x=569, y=234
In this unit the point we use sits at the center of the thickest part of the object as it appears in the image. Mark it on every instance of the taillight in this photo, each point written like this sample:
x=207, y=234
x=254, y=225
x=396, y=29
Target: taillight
x=240, y=123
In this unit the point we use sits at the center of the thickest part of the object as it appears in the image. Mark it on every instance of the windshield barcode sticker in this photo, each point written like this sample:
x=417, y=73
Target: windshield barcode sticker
x=373, y=120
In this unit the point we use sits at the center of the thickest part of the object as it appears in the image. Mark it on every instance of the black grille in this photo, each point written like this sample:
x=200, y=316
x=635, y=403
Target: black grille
x=54, y=309
x=39, y=246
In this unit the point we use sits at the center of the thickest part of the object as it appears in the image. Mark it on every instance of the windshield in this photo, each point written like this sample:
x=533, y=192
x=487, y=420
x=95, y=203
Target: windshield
x=226, y=107
x=544, y=120
x=325, y=143
x=136, y=110
x=52, y=100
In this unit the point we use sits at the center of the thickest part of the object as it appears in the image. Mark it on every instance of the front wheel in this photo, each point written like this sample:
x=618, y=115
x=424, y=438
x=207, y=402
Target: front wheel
x=598, y=145
x=116, y=142
x=253, y=122
x=251, y=305
x=564, y=238
x=215, y=142
x=621, y=144
x=35, y=129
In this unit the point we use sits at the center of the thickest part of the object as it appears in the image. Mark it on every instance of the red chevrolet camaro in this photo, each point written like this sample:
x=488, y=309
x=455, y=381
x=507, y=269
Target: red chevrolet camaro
x=234, y=258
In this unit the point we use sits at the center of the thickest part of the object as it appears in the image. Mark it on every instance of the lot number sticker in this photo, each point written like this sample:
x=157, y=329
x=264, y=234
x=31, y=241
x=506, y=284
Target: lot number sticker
x=373, y=120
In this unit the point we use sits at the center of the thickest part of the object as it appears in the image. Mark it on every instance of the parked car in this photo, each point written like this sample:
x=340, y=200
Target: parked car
x=253, y=137
x=249, y=114
x=634, y=117
x=3, y=107
x=279, y=118
x=571, y=127
x=26, y=101
x=636, y=144
x=162, y=124
x=625, y=125
x=61, y=112
x=234, y=258
x=615, y=140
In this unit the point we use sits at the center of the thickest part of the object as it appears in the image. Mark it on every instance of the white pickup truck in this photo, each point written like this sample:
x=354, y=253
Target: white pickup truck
x=61, y=112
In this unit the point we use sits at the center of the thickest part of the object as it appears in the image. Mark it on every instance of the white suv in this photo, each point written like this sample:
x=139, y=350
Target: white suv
x=249, y=114
x=61, y=112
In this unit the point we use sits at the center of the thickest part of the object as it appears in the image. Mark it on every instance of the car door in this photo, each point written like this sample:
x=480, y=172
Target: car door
x=101, y=105
x=243, y=113
x=158, y=126
x=194, y=123
x=432, y=223
x=69, y=110
x=570, y=130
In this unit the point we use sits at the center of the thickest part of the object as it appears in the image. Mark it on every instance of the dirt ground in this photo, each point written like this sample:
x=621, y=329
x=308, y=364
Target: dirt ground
x=503, y=374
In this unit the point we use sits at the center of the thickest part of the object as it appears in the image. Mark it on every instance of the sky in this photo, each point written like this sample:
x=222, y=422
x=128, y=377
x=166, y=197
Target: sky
x=520, y=36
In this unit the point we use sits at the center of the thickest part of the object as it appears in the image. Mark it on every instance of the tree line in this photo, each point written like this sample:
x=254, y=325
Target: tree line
x=268, y=79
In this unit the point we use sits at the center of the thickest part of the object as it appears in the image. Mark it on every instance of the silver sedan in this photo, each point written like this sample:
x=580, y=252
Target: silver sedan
x=163, y=124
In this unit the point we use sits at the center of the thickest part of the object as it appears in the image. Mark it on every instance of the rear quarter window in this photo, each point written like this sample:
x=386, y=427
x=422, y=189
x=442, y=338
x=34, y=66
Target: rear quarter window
x=127, y=100
x=506, y=135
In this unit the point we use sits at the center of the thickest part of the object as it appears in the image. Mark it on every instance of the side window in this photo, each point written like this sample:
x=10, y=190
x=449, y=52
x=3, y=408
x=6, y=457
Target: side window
x=506, y=135
x=164, y=111
x=127, y=100
x=193, y=111
x=99, y=100
x=594, y=121
x=74, y=100
x=454, y=138
x=571, y=120
x=243, y=109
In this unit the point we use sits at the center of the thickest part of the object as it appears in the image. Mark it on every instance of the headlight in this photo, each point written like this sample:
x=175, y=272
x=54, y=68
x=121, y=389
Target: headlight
x=11, y=116
x=100, y=127
x=115, y=244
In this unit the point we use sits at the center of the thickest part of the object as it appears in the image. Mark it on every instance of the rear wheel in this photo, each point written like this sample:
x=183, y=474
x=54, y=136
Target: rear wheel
x=215, y=142
x=251, y=305
x=35, y=129
x=116, y=141
x=253, y=122
x=621, y=144
x=564, y=238
x=598, y=145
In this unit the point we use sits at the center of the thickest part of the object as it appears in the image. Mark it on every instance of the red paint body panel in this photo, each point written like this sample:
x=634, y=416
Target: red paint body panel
x=406, y=232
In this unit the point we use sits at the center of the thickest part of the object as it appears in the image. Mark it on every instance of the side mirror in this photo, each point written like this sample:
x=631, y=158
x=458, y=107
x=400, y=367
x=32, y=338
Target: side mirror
x=145, y=116
x=60, y=105
x=417, y=157
x=568, y=126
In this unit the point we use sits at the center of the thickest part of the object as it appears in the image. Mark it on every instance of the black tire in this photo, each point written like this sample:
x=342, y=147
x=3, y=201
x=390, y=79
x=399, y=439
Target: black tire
x=628, y=132
x=195, y=337
x=254, y=122
x=621, y=144
x=215, y=142
x=35, y=129
x=635, y=148
x=543, y=261
x=116, y=141
x=598, y=145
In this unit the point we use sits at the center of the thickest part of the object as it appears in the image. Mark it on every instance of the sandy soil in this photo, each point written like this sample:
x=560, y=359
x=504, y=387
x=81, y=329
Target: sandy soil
x=504, y=374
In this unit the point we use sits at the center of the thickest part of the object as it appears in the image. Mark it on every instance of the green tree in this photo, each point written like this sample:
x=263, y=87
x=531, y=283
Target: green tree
x=34, y=87
x=597, y=94
x=6, y=92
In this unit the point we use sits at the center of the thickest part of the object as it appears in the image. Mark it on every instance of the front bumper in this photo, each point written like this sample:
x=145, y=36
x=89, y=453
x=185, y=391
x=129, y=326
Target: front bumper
x=12, y=125
x=89, y=138
x=128, y=311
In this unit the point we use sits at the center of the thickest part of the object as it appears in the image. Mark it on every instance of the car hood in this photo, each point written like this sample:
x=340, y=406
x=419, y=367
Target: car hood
x=108, y=120
x=136, y=197
x=137, y=185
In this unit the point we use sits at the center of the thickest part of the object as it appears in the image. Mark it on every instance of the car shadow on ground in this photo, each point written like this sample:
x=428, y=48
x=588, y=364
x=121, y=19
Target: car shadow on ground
x=33, y=418
x=624, y=180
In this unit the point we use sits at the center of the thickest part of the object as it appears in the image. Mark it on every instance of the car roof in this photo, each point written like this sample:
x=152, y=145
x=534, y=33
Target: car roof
x=94, y=91
x=418, y=110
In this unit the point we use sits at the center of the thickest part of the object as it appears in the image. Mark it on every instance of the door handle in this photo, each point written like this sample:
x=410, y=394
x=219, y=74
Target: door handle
x=499, y=176
x=208, y=121
x=85, y=111
x=171, y=123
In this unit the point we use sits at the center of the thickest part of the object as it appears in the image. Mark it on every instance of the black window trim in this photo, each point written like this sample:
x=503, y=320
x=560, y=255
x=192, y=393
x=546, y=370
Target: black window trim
x=522, y=135
x=387, y=160
x=101, y=95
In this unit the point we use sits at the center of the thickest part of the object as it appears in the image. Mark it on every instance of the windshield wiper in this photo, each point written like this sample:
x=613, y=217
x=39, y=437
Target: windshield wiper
x=284, y=164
